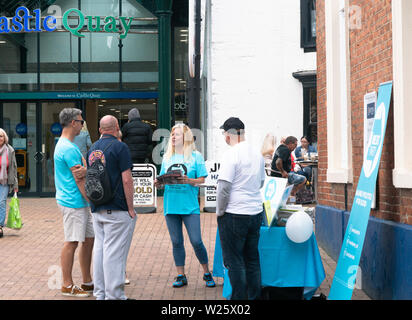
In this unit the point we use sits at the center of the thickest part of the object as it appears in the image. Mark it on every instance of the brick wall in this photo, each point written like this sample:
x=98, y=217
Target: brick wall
x=370, y=65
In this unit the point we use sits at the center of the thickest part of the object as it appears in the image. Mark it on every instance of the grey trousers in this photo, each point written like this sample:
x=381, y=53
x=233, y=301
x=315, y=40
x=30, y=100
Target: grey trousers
x=113, y=236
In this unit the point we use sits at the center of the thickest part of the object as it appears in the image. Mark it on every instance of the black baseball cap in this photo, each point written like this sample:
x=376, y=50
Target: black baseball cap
x=233, y=124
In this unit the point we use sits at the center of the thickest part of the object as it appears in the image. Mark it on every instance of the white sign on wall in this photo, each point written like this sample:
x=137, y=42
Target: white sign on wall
x=368, y=119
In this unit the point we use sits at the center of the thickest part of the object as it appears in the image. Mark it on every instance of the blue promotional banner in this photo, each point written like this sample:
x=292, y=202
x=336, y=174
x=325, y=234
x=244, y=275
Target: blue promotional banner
x=347, y=267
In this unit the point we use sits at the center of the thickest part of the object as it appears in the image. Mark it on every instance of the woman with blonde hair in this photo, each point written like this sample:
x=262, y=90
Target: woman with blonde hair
x=180, y=200
x=268, y=148
x=8, y=175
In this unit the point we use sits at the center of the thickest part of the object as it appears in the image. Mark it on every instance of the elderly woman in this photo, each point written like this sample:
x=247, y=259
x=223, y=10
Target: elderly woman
x=8, y=175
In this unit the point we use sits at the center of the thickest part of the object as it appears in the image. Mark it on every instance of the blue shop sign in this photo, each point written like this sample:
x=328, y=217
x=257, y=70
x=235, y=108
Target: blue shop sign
x=21, y=129
x=56, y=129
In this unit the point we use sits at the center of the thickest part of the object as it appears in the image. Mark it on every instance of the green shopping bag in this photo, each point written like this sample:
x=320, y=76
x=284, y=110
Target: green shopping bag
x=14, y=217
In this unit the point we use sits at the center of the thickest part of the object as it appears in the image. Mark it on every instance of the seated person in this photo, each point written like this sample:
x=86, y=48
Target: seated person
x=305, y=148
x=268, y=148
x=282, y=164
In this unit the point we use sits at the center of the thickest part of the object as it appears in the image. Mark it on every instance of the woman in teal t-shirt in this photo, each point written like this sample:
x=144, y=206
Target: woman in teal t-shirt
x=181, y=203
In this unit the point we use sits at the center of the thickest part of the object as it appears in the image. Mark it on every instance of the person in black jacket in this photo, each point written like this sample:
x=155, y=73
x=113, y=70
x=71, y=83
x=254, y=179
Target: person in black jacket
x=138, y=136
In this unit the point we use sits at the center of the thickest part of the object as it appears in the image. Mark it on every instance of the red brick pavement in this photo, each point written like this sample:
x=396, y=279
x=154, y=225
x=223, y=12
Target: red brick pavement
x=30, y=258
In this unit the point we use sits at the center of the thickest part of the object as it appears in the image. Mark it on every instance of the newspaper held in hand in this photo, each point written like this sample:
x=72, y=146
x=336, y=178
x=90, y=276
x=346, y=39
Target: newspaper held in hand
x=170, y=178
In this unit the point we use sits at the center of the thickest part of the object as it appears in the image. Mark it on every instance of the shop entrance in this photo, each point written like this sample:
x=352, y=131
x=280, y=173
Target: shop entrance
x=119, y=108
x=33, y=129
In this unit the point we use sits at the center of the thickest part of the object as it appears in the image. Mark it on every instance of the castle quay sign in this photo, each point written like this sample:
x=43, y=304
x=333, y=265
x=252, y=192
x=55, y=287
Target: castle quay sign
x=24, y=21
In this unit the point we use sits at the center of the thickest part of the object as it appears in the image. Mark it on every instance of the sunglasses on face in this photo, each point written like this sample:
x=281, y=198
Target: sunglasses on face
x=81, y=121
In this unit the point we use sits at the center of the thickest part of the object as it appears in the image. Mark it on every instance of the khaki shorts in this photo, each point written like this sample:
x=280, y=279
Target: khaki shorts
x=77, y=223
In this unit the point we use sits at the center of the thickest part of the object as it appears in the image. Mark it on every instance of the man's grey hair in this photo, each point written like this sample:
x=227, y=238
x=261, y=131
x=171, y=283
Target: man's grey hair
x=67, y=115
x=133, y=114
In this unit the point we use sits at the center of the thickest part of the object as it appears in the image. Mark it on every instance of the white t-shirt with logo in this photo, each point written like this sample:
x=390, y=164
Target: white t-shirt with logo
x=244, y=167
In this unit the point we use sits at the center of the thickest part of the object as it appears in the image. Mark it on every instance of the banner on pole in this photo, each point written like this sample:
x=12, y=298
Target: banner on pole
x=348, y=262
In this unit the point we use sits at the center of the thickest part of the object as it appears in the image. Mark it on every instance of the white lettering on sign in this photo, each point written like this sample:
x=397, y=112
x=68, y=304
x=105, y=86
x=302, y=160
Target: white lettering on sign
x=212, y=168
x=143, y=185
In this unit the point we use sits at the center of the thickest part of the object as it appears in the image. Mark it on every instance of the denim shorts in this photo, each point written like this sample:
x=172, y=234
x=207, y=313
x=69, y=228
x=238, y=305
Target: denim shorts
x=295, y=179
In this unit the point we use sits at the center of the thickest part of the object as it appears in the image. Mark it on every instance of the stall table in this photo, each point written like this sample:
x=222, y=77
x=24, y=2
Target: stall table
x=283, y=263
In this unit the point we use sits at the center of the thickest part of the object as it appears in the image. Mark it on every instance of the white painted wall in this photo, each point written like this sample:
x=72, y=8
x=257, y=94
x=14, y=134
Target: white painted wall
x=252, y=50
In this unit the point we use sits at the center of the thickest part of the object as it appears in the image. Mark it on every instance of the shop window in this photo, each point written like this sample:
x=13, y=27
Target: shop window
x=18, y=63
x=402, y=77
x=308, y=25
x=310, y=111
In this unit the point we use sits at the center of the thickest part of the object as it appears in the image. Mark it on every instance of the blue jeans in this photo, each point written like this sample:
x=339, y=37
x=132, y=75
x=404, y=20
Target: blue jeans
x=306, y=171
x=4, y=190
x=239, y=237
x=192, y=223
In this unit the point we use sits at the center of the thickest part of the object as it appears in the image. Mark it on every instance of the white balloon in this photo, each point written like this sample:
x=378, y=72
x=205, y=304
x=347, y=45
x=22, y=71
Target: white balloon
x=299, y=227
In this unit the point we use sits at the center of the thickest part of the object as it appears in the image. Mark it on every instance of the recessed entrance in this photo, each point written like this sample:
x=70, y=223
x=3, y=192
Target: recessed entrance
x=119, y=108
x=33, y=129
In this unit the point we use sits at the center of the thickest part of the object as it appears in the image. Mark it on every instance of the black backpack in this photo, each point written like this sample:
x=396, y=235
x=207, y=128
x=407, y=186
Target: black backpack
x=98, y=187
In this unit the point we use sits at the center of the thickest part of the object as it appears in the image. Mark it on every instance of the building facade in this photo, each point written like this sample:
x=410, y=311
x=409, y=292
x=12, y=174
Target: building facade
x=260, y=67
x=361, y=44
x=104, y=57
x=258, y=64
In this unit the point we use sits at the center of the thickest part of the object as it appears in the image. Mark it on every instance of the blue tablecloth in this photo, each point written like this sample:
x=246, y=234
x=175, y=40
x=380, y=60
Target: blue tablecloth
x=283, y=263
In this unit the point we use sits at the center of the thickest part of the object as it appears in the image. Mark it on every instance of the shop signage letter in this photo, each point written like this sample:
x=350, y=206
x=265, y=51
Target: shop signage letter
x=21, y=23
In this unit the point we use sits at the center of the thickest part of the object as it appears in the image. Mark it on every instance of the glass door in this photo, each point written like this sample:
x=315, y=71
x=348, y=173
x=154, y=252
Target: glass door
x=50, y=134
x=34, y=129
x=20, y=124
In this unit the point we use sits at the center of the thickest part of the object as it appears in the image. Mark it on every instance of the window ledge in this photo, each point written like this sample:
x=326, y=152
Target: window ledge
x=339, y=176
x=402, y=178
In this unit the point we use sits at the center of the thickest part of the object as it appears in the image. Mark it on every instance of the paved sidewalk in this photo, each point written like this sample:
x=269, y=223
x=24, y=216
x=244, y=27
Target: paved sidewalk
x=30, y=258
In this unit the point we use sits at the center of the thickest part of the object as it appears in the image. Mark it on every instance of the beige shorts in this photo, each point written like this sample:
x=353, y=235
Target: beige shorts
x=77, y=223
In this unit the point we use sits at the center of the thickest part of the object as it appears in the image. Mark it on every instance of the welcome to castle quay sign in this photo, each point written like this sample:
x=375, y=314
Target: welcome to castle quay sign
x=24, y=21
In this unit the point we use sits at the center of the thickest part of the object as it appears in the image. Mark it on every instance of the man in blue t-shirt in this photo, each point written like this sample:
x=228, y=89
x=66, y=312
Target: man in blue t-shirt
x=69, y=173
x=114, y=221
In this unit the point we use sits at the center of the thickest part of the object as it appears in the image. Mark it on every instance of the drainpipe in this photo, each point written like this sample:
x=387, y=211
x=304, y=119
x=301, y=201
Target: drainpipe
x=194, y=83
x=164, y=13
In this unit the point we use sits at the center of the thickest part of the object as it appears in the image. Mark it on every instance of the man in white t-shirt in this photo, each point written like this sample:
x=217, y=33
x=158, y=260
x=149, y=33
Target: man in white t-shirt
x=239, y=210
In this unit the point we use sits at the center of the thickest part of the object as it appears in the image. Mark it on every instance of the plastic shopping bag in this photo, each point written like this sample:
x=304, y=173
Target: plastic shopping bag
x=14, y=217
